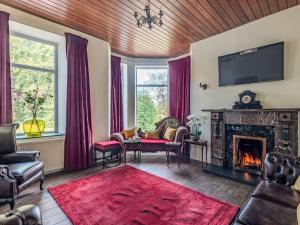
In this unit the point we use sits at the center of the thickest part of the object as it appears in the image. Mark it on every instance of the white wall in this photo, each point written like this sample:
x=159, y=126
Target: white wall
x=99, y=64
x=282, y=26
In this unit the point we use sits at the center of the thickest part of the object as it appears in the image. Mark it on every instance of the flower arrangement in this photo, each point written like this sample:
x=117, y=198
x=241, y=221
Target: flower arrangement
x=194, y=123
x=33, y=100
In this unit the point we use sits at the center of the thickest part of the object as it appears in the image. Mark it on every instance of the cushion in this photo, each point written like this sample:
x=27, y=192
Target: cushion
x=170, y=134
x=129, y=133
x=154, y=141
x=262, y=212
x=270, y=191
x=24, y=171
x=152, y=134
x=107, y=145
x=296, y=186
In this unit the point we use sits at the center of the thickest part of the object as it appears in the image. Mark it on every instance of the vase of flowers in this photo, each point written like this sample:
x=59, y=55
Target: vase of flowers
x=194, y=123
x=34, y=101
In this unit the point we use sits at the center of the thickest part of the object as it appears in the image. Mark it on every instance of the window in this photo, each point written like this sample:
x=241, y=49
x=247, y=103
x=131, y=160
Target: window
x=34, y=64
x=151, y=96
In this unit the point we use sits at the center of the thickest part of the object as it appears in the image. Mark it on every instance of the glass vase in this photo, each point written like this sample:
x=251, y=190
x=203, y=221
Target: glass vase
x=34, y=128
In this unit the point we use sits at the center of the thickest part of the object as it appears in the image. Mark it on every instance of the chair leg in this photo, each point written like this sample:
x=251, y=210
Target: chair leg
x=179, y=157
x=103, y=160
x=12, y=202
x=42, y=182
x=168, y=156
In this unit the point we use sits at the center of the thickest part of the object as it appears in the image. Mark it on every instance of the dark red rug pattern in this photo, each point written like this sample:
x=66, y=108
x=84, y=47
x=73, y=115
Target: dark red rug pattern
x=130, y=196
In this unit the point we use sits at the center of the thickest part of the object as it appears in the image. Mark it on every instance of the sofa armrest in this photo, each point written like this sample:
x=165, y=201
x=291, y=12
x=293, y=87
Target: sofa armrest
x=181, y=133
x=8, y=184
x=20, y=157
x=5, y=174
x=281, y=169
x=117, y=137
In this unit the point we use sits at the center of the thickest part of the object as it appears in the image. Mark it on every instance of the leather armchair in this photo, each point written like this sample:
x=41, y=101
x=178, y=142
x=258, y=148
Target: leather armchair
x=28, y=214
x=18, y=170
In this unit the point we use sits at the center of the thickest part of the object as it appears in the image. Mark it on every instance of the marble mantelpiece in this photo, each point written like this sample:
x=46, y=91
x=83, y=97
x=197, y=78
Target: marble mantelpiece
x=283, y=121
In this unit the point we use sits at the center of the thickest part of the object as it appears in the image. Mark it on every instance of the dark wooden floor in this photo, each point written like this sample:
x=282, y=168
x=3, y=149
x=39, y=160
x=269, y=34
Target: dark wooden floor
x=190, y=175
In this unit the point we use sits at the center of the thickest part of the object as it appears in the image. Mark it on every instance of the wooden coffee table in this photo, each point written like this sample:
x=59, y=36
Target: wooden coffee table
x=202, y=143
x=135, y=145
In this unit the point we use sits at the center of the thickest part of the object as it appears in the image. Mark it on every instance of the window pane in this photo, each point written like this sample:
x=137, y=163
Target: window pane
x=31, y=53
x=23, y=81
x=152, y=76
x=151, y=101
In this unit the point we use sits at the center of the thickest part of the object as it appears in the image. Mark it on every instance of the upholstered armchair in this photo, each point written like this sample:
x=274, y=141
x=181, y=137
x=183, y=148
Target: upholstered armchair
x=158, y=145
x=18, y=170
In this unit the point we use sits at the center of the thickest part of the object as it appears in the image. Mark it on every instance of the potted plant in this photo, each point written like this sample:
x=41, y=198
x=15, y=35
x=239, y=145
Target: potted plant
x=34, y=101
x=194, y=123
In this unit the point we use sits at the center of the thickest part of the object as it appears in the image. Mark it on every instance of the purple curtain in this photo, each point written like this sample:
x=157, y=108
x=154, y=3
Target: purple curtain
x=5, y=79
x=117, y=123
x=78, y=138
x=179, y=94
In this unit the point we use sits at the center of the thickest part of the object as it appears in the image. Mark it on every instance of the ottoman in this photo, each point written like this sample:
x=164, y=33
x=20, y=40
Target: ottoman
x=110, y=152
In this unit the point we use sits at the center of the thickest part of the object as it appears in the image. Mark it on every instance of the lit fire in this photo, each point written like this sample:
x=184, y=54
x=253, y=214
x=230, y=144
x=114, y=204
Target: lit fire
x=249, y=160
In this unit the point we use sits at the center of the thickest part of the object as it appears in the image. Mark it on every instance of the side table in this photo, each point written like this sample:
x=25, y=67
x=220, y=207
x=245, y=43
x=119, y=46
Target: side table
x=202, y=143
x=134, y=146
x=175, y=147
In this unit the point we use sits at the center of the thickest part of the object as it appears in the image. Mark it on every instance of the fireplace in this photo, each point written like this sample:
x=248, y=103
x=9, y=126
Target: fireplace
x=249, y=153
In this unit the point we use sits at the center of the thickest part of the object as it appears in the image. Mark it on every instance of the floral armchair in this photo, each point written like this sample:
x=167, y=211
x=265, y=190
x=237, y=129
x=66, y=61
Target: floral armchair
x=150, y=145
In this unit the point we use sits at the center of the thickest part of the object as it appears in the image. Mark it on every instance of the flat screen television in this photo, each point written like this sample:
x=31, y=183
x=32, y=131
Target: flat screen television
x=255, y=65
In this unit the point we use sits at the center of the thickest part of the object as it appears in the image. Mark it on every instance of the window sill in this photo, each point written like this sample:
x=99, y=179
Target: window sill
x=22, y=137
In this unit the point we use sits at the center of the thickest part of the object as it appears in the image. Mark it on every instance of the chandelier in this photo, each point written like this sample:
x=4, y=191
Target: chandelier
x=149, y=19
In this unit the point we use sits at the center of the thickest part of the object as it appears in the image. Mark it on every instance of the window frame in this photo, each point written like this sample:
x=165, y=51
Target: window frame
x=39, y=69
x=151, y=85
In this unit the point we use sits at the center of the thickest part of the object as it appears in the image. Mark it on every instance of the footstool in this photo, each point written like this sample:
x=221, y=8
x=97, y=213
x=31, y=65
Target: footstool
x=114, y=149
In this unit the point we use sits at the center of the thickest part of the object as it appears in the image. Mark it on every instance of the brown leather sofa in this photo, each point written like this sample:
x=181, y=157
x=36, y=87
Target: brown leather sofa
x=273, y=201
x=25, y=215
x=18, y=170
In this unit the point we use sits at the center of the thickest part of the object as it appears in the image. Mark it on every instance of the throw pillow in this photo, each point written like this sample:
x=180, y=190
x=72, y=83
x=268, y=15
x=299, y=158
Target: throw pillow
x=296, y=186
x=129, y=133
x=170, y=134
x=152, y=134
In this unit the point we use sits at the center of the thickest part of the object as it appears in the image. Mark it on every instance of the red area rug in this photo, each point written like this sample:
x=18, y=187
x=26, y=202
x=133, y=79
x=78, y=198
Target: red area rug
x=127, y=195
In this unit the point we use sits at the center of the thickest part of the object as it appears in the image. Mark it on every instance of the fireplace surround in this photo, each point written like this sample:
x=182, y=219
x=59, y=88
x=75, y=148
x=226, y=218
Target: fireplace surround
x=277, y=129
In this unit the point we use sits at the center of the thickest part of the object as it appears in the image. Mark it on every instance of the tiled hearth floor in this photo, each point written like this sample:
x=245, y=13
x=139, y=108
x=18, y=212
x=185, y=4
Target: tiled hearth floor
x=189, y=175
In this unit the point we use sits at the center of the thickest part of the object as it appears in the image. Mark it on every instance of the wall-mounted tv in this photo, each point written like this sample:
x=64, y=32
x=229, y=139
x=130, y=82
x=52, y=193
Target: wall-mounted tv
x=255, y=65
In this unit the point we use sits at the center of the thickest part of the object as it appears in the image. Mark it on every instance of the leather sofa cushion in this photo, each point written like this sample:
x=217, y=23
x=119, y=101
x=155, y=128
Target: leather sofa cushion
x=30, y=213
x=24, y=171
x=277, y=193
x=262, y=212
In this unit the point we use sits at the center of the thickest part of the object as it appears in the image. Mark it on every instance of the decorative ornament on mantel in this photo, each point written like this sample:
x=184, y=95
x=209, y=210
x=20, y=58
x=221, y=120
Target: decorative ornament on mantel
x=247, y=101
x=148, y=18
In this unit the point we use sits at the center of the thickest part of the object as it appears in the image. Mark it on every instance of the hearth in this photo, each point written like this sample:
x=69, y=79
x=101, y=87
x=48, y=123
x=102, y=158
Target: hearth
x=249, y=153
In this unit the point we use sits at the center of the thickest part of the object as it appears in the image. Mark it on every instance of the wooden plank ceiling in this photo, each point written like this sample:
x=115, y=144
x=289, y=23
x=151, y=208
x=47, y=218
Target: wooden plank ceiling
x=185, y=21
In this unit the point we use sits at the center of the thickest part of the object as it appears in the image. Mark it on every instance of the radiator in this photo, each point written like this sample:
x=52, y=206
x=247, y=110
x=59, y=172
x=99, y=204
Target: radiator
x=51, y=149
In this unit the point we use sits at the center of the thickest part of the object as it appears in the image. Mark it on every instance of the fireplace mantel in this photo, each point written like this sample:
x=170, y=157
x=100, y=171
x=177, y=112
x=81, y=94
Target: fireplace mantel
x=254, y=110
x=282, y=122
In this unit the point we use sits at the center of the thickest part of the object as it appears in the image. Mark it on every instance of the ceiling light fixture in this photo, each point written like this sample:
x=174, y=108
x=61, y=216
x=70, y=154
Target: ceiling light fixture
x=148, y=19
